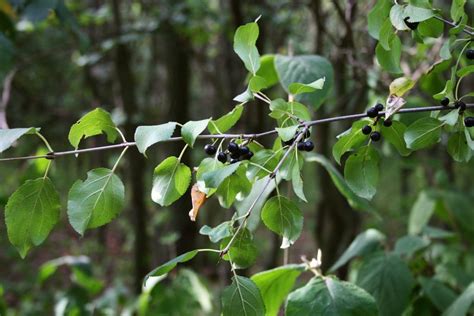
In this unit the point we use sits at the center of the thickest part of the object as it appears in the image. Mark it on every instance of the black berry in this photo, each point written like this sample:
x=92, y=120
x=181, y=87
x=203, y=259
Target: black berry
x=210, y=149
x=308, y=145
x=244, y=150
x=375, y=136
x=469, y=121
x=233, y=147
x=379, y=107
x=235, y=155
x=222, y=157
x=444, y=101
x=234, y=160
x=301, y=146
x=372, y=112
x=470, y=54
x=387, y=122
x=248, y=156
x=411, y=25
x=366, y=130
x=460, y=105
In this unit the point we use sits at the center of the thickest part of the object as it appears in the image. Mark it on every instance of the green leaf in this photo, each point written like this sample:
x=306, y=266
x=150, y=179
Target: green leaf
x=465, y=71
x=267, y=70
x=289, y=69
x=431, y=28
x=145, y=136
x=394, y=135
x=207, y=165
x=417, y=14
x=420, y=213
x=457, y=10
x=192, y=129
x=96, y=201
x=10, y=136
x=214, y=178
x=242, y=297
x=423, y=133
x=235, y=184
x=170, y=265
x=447, y=91
x=227, y=121
x=243, y=252
x=439, y=294
x=397, y=16
x=401, y=85
x=297, y=182
x=287, y=133
x=257, y=83
x=265, y=158
x=244, y=97
x=330, y=296
x=93, y=123
x=409, y=245
x=282, y=216
x=458, y=148
x=361, y=172
x=386, y=34
x=350, y=140
x=462, y=304
x=299, y=88
x=171, y=180
x=217, y=233
x=245, y=39
x=389, y=60
x=275, y=284
x=354, y=200
x=451, y=118
x=389, y=280
x=31, y=213
x=459, y=208
x=365, y=243
x=377, y=16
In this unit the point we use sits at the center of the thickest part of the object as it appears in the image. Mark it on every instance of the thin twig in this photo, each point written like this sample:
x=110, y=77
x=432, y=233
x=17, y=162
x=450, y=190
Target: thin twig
x=450, y=23
x=230, y=136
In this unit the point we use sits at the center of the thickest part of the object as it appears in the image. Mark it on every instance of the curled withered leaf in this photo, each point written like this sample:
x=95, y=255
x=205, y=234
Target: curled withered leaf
x=197, y=198
x=394, y=103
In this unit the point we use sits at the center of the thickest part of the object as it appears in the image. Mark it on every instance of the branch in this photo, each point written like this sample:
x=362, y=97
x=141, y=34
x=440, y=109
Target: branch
x=230, y=136
x=450, y=23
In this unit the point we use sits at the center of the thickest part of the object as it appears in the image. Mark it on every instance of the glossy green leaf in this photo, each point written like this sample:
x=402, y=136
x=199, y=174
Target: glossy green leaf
x=395, y=136
x=236, y=183
x=386, y=34
x=365, y=243
x=389, y=281
x=287, y=133
x=330, y=296
x=377, y=16
x=227, y=121
x=451, y=118
x=465, y=71
x=457, y=10
x=266, y=159
x=242, y=297
x=316, y=67
x=275, y=284
x=431, y=28
x=267, y=70
x=354, y=200
x=243, y=252
x=9, y=136
x=171, y=180
x=257, y=83
x=287, y=168
x=458, y=148
x=297, y=182
x=417, y=14
x=423, y=133
x=361, y=172
x=207, y=165
x=31, y=213
x=170, y=265
x=350, y=140
x=282, y=216
x=96, y=201
x=401, y=85
x=146, y=136
x=299, y=88
x=93, y=123
x=397, y=16
x=245, y=39
x=192, y=129
x=214, y=178
x=409, y=245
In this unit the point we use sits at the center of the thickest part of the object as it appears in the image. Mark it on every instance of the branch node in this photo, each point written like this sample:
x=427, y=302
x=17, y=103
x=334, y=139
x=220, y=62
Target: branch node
x=51, y=155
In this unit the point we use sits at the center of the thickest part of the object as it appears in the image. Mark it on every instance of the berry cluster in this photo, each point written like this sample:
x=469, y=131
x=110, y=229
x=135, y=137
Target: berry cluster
x=235, y=151
x=373, y=112
x=303, y=145
x=374, y=136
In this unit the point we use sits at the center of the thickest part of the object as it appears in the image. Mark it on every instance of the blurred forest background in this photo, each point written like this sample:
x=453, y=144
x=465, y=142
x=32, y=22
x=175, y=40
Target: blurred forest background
x=154, y=61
